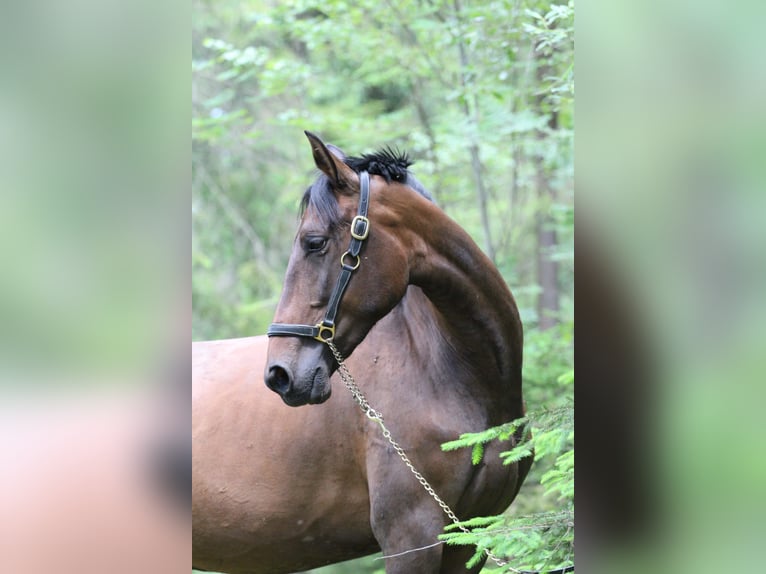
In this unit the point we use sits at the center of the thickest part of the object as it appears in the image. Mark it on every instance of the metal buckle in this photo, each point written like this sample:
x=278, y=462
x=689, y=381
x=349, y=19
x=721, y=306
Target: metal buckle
x=323, y=331
x=365, y=232
x=350, y=267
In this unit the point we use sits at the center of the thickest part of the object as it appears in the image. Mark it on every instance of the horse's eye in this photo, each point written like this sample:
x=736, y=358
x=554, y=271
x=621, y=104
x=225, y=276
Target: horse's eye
x=314, y=244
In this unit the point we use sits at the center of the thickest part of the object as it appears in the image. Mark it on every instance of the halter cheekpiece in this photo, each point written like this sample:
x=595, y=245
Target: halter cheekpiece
x=324, y=331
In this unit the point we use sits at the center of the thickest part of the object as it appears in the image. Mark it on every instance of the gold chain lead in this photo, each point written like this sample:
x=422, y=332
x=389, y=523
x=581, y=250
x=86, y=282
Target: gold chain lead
x=376, y=416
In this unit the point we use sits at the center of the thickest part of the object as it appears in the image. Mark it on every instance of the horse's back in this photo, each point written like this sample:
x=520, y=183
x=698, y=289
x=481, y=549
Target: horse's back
x=240, y=359
x=265, y=474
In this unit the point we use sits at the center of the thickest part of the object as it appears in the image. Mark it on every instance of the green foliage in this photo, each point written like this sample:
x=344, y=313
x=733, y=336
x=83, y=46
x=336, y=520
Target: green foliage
x=536, y=534
x=542, y=540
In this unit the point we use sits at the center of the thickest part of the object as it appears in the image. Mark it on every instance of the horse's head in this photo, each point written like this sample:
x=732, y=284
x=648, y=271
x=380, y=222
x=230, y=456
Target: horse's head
x=299, y=362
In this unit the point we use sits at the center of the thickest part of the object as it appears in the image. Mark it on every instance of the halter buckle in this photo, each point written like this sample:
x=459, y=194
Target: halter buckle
x=326, y=332
x=362, y=235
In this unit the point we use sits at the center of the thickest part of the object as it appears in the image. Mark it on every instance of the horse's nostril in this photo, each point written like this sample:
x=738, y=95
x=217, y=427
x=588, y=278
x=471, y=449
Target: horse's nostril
x=278, y=379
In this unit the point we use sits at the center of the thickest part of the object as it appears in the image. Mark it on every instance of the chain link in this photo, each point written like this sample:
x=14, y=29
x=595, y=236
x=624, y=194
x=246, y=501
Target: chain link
x=376, y=416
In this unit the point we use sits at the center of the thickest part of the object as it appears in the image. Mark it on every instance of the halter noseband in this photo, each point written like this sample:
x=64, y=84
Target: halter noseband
x=324, y=331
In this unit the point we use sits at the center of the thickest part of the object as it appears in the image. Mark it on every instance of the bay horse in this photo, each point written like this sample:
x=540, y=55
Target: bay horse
x=433, y=336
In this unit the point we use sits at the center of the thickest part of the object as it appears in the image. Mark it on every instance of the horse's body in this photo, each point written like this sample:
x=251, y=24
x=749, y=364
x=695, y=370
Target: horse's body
x=279, y=489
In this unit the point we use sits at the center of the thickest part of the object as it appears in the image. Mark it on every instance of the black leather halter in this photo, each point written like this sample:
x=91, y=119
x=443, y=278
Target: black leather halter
x=324, y=331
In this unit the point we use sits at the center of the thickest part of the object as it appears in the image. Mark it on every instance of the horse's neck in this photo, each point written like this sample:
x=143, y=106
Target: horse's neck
x=474, y=310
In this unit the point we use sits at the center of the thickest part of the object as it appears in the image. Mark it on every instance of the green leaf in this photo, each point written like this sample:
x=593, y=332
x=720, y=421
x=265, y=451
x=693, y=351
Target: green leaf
x=477, y=453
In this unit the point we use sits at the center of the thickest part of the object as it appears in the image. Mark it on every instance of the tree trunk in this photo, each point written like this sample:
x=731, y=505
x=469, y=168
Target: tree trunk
x=547, y=268
x=473, y=148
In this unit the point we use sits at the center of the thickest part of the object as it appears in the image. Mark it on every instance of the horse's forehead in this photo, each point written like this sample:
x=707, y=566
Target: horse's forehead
x=327, y=213
x=312, y=220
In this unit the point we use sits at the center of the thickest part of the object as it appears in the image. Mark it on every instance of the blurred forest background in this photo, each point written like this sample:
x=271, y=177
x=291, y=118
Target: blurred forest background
x=481, y=96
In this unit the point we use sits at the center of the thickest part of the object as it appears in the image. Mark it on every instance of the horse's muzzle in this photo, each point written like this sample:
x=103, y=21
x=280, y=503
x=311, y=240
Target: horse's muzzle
x=315, y=389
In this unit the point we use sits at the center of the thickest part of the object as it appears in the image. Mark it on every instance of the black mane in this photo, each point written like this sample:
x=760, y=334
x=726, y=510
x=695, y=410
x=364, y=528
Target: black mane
x=389, y=163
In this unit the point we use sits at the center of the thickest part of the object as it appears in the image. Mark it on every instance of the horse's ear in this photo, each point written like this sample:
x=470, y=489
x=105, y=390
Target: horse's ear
x=336, y=151
x=329, y=159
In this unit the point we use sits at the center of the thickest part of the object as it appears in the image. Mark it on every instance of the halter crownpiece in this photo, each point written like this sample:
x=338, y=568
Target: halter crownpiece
x=324, y=331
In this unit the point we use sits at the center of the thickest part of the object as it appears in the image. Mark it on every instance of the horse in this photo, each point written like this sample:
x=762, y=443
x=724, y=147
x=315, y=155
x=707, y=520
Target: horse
x=429, y=328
